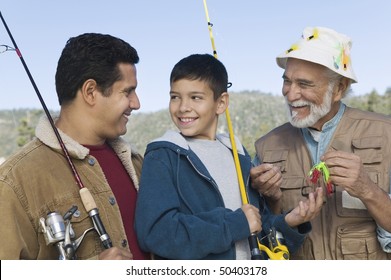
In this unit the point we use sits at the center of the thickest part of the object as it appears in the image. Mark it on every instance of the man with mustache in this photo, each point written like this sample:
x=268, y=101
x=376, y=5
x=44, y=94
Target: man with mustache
x=353, y=145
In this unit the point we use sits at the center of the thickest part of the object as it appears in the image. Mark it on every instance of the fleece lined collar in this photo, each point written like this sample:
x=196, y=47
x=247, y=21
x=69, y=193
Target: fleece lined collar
x=44, y=132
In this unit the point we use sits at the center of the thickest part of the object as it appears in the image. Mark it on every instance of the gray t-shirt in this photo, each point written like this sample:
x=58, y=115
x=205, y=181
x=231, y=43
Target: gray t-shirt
x=218, y=159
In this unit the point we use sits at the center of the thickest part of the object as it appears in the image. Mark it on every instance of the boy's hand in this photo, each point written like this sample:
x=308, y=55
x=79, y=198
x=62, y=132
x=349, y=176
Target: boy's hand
x=307, y=209
x=253, y=218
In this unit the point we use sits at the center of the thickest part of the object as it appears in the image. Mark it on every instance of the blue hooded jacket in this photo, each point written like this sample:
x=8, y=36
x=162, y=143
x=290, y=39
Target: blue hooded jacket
x=180, y=213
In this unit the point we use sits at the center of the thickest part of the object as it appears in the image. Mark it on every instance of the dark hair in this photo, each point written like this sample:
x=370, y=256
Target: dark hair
x=91, y=56
x=204, y=67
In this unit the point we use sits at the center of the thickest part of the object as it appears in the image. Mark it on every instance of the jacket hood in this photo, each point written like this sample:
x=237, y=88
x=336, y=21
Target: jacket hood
x=176, y=138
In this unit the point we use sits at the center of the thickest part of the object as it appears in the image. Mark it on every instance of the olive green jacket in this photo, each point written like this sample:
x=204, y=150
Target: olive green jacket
x=38, y=180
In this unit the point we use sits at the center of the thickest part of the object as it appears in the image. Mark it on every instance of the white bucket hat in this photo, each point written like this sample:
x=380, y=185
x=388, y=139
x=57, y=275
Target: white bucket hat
x=323, y=46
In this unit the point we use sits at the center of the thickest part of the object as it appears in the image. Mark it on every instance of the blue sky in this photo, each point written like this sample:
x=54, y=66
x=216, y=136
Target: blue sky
x=248, y=36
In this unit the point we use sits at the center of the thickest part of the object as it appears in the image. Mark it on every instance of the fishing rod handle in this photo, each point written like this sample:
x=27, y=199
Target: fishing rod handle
x=92, y=209
x=256, y=253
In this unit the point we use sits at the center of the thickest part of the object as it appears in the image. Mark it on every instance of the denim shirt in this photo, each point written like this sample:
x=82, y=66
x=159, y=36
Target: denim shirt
x=384, y=238
x=318, y=147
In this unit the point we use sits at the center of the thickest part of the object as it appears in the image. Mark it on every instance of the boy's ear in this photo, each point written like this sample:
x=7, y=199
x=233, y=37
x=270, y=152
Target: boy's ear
x=222, y=103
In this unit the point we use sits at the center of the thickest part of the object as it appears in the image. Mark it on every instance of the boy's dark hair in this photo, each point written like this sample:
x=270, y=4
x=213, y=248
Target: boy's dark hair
x=204, y=67
x=91, y=56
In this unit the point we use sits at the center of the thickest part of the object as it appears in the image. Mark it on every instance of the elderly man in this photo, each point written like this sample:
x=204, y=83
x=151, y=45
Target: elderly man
x=351, y=146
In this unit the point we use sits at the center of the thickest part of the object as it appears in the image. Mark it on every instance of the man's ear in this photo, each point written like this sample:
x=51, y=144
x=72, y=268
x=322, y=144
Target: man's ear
x=341, y=89
x=89, y=91
x=222, y=103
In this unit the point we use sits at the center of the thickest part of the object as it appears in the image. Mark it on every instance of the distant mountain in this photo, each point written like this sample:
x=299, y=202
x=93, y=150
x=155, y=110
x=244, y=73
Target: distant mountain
x=252, y=114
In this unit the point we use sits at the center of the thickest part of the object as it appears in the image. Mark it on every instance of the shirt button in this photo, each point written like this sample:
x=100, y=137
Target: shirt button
x=111, y=200
x=76, y=214
x=124, y=242
x=91, y=161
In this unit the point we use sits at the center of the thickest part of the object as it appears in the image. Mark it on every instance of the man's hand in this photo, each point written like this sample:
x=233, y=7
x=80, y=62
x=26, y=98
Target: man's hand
x=347, y=171
x=267, y=179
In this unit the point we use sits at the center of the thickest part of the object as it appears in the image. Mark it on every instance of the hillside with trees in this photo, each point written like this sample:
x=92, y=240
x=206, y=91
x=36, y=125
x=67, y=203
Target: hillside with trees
x=252, y=114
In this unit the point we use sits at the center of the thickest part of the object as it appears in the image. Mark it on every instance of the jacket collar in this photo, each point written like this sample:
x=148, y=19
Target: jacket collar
x=176, y=138
x=45, y=133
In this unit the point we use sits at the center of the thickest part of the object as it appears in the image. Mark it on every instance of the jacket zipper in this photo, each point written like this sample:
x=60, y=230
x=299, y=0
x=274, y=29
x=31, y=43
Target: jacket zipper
x=209, y=180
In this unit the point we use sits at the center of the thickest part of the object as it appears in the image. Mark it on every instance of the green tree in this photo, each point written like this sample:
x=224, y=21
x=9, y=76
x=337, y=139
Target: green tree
x=387, y=98
x=373, y=100
x=26, y=128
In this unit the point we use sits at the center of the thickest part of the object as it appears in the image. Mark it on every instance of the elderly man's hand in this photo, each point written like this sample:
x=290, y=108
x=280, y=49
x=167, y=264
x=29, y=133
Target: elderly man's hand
x=347, y=171
x=267, y=179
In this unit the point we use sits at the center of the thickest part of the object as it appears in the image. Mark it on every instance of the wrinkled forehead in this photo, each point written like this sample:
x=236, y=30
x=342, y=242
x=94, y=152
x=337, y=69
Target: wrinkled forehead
x=294, y=65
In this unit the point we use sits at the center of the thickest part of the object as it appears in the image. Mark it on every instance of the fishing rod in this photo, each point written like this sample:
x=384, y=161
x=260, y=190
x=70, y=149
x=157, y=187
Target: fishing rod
x=86, y=197
x=253, y=240
x=277, y=251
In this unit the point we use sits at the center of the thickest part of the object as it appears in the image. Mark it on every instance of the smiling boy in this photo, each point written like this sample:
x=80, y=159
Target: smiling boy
x=189, y=204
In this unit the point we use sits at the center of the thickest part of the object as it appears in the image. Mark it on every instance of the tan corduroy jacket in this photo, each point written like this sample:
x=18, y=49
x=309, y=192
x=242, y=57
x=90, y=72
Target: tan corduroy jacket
x=38, y=180
x=344, y=229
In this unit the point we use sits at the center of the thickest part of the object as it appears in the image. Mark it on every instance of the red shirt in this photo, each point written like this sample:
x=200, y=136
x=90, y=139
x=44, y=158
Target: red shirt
x=124, y=191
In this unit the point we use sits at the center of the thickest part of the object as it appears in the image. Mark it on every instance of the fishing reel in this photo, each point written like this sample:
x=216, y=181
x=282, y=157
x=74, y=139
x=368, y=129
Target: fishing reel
x=58, y=232
x=277, y=250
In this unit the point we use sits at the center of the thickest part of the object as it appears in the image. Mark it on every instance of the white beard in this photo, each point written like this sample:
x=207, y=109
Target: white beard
x=316, y=112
